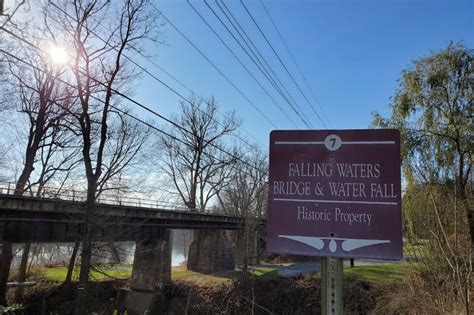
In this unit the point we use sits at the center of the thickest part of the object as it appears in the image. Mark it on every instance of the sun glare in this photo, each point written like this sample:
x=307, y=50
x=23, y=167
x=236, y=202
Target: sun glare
x=58, y=55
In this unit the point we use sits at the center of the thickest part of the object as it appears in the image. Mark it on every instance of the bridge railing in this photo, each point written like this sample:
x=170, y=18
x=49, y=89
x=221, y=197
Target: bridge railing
x=8, y=188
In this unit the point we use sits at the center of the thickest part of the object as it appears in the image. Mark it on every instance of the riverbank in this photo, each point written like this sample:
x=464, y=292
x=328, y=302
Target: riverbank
x=265, y=291
x=278, y=296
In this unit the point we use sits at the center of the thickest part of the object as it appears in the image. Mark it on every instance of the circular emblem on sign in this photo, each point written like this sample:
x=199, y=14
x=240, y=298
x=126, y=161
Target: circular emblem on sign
x=332, y=142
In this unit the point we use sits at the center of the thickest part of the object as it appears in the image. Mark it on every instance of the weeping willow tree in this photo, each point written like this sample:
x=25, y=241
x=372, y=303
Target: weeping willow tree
x=433, y=109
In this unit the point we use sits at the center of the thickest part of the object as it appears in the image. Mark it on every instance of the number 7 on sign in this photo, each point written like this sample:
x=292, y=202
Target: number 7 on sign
x=332, y=142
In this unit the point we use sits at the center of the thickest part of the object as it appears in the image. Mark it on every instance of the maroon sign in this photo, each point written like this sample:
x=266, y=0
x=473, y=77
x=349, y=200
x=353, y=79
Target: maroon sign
x=335, y=193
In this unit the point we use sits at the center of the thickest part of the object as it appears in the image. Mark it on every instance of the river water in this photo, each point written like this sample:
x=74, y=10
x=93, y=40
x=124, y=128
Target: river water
x=56, y=254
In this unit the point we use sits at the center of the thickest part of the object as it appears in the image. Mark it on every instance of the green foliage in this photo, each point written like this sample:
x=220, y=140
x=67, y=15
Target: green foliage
x=381, y=273
x=11, y=309
x=264, y=272
x=433, y=109
x=418, y=208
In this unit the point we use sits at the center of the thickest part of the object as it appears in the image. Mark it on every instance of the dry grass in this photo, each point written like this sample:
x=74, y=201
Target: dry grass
x=199, y=279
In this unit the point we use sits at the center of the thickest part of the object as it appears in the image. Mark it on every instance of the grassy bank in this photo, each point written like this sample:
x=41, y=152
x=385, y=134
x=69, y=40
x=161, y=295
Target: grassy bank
x=381, y=273
x=124, y=271
x=58, y=274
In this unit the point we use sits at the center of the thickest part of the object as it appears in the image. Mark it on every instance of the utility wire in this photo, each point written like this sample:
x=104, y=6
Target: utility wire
x=281, y=61
x=253, y=48
x=153, y=75
x=241, y=63
x=254, y=59
x=216, y=68
x=264, y=69
x=273, y=83
x=136, y=118
x=296, y=64
x=127, y=98
x=150, y=60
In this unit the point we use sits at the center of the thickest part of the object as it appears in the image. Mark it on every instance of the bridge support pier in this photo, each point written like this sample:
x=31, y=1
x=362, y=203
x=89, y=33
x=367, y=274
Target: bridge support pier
x=151, y=272
x=210, y=251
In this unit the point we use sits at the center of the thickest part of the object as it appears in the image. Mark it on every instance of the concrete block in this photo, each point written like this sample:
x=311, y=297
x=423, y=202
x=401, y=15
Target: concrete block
x=139, y=303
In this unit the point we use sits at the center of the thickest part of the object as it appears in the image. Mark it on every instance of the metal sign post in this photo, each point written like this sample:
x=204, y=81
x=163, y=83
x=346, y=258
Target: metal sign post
x=332, y=286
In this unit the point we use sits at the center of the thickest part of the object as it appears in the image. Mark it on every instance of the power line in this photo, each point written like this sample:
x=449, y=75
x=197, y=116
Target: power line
x=270, y=77
x=241, y=63
x=247, y=40
x=216, y=68
x=139, y=119
x=153, y=75
x=254, y=58
x=278, y=57
x=237, y=158
x=296, y=64
x=193, y=93
x=274, y=85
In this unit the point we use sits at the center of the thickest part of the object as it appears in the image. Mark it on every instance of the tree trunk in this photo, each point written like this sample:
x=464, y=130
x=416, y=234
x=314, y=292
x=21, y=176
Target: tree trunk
x=462, y=181
x=22, y=272
x=185, y=242
x=5, y=263
x=245, y=273
x=469, y=212
x=72, y=263
x=114, y=253
x=7, y=255
x=86, y=253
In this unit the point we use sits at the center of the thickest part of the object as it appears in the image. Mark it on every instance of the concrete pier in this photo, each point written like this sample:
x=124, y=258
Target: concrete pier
x=210, y=252
x=150, y=274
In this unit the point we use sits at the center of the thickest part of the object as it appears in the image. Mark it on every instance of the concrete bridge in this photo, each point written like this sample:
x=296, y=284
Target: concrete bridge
x=30, y=219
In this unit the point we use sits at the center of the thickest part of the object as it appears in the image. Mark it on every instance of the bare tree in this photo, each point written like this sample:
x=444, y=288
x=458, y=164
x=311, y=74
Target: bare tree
x=246, y=196
x=193, y=161
x=99, y=69
x=247, y=192
x=43, y=100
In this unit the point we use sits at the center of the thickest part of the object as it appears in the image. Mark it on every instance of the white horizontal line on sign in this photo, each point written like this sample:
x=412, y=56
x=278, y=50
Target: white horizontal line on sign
x=338, y=201
x=299, y=142
x=343, y=142
x=368, y=142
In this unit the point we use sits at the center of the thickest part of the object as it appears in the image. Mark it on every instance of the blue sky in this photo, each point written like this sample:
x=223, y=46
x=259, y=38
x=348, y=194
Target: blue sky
x=351, y=53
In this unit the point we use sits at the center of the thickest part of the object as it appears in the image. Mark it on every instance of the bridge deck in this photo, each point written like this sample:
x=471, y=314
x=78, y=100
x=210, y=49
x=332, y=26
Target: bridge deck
x=54, y=220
